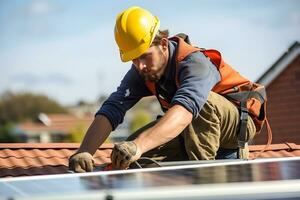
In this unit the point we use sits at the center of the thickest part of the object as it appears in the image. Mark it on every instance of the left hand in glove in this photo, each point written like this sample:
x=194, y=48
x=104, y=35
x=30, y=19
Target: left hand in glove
x=123, y=154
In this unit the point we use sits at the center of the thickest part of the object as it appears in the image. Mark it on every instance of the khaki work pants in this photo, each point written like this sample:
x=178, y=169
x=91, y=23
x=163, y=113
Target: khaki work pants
x=215, y=128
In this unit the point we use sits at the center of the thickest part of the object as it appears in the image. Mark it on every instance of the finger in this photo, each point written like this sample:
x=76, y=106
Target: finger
x=82, y=165
x=71, y=165
x=89, y=165
x=93, y=163
x=77, y=168
x=121, y=162
x=113, y=158
x=118, y=160
x=125, y=162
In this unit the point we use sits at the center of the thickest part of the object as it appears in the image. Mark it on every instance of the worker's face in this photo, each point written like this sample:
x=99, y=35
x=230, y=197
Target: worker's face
x=151, y=65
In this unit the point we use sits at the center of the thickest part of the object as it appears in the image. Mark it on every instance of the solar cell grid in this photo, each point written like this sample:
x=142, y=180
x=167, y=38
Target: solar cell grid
x=281, y=172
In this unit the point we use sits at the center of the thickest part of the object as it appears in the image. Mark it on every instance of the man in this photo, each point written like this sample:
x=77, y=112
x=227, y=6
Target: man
x=198, y=124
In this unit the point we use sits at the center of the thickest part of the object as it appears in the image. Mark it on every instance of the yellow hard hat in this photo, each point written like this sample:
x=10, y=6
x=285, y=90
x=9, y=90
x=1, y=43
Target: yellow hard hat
x=135, y=30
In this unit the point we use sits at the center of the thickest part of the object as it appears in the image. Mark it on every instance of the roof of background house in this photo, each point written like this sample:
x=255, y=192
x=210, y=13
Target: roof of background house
x=57, y=122
x=27, y=159
x=280, y=64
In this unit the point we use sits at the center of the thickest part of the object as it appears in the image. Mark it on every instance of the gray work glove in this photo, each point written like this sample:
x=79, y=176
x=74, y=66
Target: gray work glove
x=123, y=154
x=81, y=162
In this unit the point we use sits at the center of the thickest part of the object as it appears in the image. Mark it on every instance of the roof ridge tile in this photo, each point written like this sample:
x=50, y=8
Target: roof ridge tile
x=47, y=146
x=274, y=147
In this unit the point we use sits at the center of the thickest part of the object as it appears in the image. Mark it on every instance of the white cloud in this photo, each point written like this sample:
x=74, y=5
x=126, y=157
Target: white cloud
x=40, y=7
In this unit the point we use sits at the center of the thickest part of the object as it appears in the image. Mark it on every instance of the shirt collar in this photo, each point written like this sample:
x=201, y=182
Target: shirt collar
x=171, y=61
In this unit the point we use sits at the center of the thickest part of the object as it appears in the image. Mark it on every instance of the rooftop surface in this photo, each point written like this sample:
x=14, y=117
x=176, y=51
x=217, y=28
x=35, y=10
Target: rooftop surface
x=28, y=159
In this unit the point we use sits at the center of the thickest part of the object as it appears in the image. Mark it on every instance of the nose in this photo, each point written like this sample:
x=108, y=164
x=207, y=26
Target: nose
x=139, y=64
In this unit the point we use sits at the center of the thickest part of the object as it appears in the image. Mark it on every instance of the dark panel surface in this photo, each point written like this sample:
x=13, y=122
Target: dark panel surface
x=142, y=180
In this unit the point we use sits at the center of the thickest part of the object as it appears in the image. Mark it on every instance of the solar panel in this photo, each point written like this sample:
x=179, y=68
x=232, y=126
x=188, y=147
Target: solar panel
x=258, y=179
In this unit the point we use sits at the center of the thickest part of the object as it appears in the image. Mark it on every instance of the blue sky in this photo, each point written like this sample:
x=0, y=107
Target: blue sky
x=66, y=49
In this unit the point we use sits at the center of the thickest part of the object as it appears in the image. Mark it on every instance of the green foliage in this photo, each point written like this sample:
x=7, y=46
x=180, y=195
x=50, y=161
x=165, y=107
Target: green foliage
x=140, y=119
x=77, y=133
x=6, y=135
x=15, y=107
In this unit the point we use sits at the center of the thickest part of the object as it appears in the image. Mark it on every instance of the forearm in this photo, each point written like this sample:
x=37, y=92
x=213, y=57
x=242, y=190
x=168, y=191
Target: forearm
x=169, y=126
x=97, y=133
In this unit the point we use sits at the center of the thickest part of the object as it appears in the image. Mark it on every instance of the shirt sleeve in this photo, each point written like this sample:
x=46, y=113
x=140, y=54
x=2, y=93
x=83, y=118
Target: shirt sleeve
x=197, y=76
x=131, y=89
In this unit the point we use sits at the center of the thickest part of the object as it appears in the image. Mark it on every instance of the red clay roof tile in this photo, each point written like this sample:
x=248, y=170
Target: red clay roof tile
x=27, y=159
x=24, y=159
x=19, y=171
x=276, y=150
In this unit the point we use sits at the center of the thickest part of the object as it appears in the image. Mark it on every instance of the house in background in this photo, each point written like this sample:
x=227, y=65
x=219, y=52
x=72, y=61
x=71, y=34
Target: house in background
x=282, y=81
x=53, y=127
x=58, y=127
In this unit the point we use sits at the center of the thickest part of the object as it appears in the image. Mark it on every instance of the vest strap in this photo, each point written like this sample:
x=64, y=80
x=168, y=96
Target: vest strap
x=242, y=135
x=244, y=95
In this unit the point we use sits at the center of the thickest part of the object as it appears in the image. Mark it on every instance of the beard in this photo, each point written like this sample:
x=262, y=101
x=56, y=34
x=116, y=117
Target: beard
x=160, y=65
x=152, y=78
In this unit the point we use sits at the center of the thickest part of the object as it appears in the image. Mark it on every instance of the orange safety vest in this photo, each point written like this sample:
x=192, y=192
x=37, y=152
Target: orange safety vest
x=249, y=97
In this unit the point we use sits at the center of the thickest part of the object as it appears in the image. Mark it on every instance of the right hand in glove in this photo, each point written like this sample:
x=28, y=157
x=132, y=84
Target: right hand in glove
x=123, y=154
x=81, y=162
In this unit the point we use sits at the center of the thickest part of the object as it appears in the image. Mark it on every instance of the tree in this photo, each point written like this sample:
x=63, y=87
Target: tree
x=77, y=133
x=6, y=134
x=15, y=107
x=139, y=119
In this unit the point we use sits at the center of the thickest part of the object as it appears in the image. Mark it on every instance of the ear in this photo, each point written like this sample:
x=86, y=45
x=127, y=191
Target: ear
x=164, y=43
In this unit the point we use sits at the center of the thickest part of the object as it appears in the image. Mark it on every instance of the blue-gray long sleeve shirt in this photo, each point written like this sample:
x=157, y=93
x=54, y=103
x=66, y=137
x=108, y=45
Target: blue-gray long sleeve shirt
x=197, y=75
